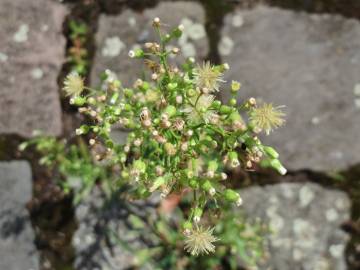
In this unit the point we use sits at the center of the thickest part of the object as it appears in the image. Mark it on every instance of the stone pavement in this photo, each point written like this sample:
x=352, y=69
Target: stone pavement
x=17, y=248
x=119, y=34
x=32, y=50
x=305, y=221
x=310, y=64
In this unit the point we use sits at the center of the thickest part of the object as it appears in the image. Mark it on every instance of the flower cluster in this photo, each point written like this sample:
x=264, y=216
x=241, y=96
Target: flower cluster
x=181, y=138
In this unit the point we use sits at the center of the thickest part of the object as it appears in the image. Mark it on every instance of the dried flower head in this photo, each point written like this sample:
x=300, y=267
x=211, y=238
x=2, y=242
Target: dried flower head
x=267, y=117
x=73, y=84
x=199, y=109
x=200, y=241
x=208, y=77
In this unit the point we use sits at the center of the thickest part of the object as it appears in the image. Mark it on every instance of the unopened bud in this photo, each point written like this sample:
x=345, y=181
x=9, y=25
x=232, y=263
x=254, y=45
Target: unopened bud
x=184, y=146
x=239, y=202
x=131, y=54
x=189, y=133
x=252, y=101
x=179, y=99
x=156, y=22
x=226, y=66
x=212, y=191
x=137, y=142
x=154, y=76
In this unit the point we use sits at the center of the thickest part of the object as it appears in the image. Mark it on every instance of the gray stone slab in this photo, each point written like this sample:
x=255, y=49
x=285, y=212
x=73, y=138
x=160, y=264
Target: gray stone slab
x=310, y=64
x=305, y=221
x=17, y=248
x=119, y=34
x=31, y=54
x=104, y=239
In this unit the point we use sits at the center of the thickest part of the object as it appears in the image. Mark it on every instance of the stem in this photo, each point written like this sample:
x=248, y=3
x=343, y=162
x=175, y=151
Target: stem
x=163, y=52
x=197, y=99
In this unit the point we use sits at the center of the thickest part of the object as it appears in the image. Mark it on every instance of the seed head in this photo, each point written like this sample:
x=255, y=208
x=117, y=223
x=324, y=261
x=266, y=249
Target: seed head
x=73, y=84
x=267, y=117
x=200, y=241
x=206, y=76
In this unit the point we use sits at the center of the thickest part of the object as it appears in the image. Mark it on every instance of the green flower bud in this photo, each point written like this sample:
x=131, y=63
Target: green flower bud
x=116, y=84
x=117, y=111
x=235, y=116
x=206, y=186
x=170, y=110
x=78, y=101
x=233, y=155
x=213, y=165
x=114, y=98
x=125, y=174
x=143, y=192
x=139, y=53
x=197, y=214
x=128, y=92
x=193, y=183
x=216, y=104
x=159, y=181
x=139, y=165
x=122, y=157
x=128, y=107
x=84, y=129
x=145, y=86
x=177, y=32
x=235, y=86
x=225, y=109
x=189, y=173
x=276, y=164
x=231, y=195
x=232, y=102
x=109, y=144
x=271, y=151
x=187, y=225
x=203, y=110
x=191, y=92
x=91, y=100
x=172, y=86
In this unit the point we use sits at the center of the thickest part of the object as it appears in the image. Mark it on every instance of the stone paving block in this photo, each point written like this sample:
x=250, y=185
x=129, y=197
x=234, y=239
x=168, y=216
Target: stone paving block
x=118, y=34
x=306, y=233
x=32, y=52
x=97, y=223
x=17, y=248
x=310, y=64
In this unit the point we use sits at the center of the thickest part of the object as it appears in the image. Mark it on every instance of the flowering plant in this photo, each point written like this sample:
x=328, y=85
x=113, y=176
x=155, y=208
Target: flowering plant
x=181, y=138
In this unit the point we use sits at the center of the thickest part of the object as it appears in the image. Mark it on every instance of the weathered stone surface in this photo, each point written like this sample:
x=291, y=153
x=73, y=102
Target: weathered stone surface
x=31, y=54
x=17, y=249
x=310, y=63
x=105, y=238
x=119, y=34
x=305, y=220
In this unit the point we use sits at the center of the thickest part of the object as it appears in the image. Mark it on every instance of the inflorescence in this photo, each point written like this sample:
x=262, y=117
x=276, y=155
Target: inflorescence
x=181, y=138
